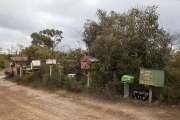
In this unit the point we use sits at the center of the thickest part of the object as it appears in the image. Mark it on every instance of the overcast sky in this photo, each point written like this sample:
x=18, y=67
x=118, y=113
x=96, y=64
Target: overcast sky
x=20, y=18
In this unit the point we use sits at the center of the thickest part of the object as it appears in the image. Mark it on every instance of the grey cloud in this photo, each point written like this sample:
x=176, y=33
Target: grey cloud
x=28, y=16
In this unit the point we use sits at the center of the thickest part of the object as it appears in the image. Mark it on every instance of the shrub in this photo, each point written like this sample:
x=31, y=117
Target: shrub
x=18, y=79
x=28, y=78
x=75, y=85
x=171, y=91
x=51, y=82
x=3, y=62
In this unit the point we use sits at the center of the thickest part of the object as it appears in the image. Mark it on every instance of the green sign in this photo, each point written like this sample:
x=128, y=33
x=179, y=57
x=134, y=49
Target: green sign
x=151, y=77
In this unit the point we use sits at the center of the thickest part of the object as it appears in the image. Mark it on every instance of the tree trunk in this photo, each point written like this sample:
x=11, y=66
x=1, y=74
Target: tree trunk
x=114, y=82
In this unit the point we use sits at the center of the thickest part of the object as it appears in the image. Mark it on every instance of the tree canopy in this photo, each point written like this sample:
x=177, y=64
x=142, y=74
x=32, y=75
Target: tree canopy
x=36, y=52
x=48, y=38
x=132, y=35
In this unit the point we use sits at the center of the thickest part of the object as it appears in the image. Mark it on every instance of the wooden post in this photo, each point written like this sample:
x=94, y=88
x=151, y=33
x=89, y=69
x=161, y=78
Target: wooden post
x=12, y=70
x=20, y=71
x=15, y=68
x=150, y=94
x=59, y=73
x=50, y=69
x=126, y=90
x=59, y=76
x=88, y=76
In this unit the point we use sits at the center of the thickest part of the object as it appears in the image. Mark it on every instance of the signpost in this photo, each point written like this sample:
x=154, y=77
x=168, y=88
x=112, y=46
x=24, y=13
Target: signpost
x=151, y=77
x=50, y=62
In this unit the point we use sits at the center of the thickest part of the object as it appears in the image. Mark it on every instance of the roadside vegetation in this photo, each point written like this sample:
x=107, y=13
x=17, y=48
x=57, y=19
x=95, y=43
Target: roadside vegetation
x=3, y=60
x=122, y=42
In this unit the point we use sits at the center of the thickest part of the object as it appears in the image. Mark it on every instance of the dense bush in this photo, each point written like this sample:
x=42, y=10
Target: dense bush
x=3, y=62
x=42, y=78
x=50, y=82
x=18, y=79
x=28, y=78
x=9, y=74
x=75, y=85
x=171, y=90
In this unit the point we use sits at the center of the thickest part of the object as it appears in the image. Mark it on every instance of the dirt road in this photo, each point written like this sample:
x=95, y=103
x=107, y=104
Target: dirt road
x=22, y=103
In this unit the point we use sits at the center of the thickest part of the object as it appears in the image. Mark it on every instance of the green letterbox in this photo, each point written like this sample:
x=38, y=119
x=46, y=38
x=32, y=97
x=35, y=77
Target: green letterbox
x=127, y=79
x=151, y=77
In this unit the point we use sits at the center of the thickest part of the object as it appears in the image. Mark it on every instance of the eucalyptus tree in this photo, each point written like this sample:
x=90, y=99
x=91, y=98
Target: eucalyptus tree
x=135, y=33
x=145, y=38
x=48, y=38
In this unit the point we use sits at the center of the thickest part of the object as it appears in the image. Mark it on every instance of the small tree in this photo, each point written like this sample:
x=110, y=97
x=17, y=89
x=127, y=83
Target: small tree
x=37, y=52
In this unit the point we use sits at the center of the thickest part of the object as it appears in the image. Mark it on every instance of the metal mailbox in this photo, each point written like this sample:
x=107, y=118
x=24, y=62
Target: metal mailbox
x=127, y=79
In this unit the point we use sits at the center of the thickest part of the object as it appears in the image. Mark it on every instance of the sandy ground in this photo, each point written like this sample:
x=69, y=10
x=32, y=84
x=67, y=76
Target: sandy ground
x=23, y=103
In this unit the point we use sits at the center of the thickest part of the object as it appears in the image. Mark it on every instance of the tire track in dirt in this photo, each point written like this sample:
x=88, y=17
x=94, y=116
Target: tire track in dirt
x=49, y=106
x=18, y=102
x=107, y=110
